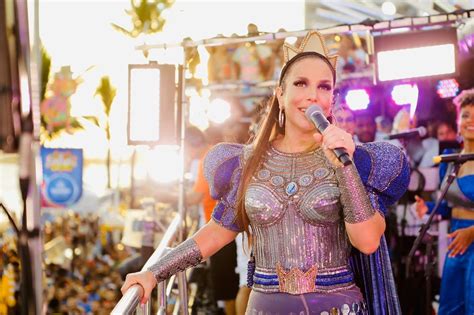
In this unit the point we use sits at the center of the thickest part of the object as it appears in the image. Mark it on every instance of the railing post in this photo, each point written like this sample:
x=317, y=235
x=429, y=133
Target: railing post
x=183, y=292
x=162, y=301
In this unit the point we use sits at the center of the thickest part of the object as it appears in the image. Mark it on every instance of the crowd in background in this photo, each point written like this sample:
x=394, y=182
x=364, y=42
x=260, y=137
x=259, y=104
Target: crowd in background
x=81, y=274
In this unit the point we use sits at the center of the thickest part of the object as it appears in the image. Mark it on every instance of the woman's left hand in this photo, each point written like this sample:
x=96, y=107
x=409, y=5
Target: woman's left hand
x=462, y=239
x=335, y=137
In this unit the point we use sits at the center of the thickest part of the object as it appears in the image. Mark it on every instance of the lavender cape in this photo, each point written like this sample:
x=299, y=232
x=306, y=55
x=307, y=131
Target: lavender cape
x=385, y=173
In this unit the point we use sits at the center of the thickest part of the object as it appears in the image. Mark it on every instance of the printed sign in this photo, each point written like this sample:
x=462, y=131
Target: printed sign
x=62, y=176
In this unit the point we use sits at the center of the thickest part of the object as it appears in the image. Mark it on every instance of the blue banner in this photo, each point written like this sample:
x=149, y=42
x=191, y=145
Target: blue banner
x=62, y=176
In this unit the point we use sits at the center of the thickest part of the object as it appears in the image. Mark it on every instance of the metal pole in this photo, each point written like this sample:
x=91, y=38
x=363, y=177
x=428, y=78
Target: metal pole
x=183, y=292
x=181, y=122
x=132, y=177
x=438, y=19
x=30, y=245
x=162, y=301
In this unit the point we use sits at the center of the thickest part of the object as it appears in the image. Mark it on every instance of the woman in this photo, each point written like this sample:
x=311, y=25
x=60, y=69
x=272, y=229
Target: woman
x=304, y=208
x=457, y=283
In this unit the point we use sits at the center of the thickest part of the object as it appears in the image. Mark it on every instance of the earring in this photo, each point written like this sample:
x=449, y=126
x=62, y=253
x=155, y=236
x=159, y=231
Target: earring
x=281, y=118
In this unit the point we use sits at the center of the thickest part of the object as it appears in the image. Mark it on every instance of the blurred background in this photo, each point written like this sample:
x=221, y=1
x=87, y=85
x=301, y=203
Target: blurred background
x=109, y=89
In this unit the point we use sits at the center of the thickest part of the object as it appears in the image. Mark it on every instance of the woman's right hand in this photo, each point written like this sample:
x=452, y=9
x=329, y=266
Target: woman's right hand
x=421, y=207
x=145, y=279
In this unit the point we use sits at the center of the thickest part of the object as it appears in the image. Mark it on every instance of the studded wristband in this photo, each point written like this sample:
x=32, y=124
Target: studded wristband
x=185, y=255
x=354, y=198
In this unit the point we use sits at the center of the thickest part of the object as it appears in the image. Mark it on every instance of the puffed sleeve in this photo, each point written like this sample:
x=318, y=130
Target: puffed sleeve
x=384, y=170
x=222, y=169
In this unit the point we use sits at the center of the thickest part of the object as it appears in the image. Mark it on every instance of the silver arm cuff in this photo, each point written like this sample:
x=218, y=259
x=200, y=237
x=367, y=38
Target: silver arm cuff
x=183, y=256
x=354, y=198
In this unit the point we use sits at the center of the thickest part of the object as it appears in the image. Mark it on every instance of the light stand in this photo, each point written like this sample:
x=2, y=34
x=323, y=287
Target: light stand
x=429, y=240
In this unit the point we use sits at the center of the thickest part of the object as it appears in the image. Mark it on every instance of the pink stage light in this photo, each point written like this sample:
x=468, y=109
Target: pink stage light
x=447, y=88
x=406, y=94
x=357, y=99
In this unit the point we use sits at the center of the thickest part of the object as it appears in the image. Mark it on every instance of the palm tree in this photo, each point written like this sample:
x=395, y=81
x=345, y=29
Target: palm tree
x=107, y=93
x=146, y=17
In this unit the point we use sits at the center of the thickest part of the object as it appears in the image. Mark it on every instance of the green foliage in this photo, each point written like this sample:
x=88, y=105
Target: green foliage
x=45, y=70
x=146, y=17
x=74, y=125
x=107, y=93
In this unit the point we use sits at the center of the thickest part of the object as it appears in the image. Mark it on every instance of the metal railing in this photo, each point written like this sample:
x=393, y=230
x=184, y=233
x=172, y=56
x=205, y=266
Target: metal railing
x=131, y=299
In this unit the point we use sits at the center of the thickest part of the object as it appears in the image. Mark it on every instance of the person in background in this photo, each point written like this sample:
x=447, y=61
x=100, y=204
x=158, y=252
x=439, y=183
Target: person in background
x=446, y=131
x=224, y=280
x=365, y=127
x=303, y=210
x=457, y=283
x=384, y=127
x=344, y=118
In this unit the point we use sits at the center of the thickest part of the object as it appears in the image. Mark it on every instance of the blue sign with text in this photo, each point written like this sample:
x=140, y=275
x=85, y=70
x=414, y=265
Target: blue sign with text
x=62, y=176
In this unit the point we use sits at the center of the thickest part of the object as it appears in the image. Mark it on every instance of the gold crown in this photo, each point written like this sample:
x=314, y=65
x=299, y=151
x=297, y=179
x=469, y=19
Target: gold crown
x=313, y=41
x=296, y=281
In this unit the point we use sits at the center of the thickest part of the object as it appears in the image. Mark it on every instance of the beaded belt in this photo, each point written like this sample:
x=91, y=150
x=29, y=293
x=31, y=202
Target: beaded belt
x=296, y=281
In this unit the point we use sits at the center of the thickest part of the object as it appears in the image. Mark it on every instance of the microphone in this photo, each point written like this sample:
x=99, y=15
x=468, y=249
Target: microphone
x=457, y=158
x=315, y=114
x=416, y=132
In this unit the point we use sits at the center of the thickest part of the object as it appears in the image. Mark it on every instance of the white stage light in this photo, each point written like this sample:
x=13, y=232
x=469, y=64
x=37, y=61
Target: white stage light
x=421, y=54
x=144, y=105
x=198, y=106
x=417, y=62
x=151, y=104
x=218, y=111
x=357, y=99
x=161, y=164
x=389, y=8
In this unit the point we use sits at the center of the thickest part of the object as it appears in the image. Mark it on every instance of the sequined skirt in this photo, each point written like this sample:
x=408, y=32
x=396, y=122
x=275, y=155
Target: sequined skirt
x=344, y=302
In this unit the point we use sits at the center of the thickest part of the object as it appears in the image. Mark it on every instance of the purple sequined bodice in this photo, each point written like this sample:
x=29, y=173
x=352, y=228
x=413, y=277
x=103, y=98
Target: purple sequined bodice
x=294, y=211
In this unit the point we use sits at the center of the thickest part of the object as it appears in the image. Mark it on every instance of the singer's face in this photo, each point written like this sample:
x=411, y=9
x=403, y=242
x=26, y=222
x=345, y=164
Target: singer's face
x=466, y=122
x=308, y=81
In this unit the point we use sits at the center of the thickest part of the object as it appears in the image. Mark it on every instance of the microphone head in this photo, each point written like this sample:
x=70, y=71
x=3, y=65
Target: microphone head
x=437, y=159
x=311, y=110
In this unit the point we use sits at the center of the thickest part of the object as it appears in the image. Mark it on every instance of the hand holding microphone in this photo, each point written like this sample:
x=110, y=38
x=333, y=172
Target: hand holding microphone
x=337, y=143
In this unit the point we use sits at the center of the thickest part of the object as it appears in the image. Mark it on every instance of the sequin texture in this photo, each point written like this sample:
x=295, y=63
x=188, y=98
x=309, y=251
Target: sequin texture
x=354, y=198
x=185, y=255
x=297, y=227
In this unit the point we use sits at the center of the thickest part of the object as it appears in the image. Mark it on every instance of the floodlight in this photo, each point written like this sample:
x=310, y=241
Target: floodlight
x=420, y=54
x=447, y=88
x=357, y=99
x=151, y=104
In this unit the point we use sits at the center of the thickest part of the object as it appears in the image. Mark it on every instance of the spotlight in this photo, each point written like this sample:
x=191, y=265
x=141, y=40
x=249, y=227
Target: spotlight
x=357, y=99
x=218, y=111
x=406, y=94
x=161, y=164
x=431, y=53
x=198, y=106
x=151, y=104
x=388, y=8
x=447, y=88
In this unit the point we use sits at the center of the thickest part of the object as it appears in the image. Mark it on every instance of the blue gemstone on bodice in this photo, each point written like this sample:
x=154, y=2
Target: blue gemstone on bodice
x=291, y=188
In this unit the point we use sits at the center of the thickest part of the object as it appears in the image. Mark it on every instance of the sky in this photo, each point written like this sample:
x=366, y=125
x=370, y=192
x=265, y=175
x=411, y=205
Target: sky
x=79, y=34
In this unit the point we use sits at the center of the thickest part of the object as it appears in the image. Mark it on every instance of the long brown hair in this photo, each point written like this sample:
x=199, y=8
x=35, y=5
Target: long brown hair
x=267, y=132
